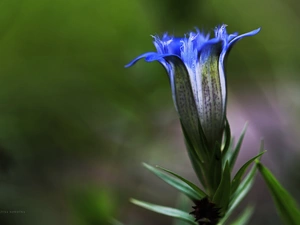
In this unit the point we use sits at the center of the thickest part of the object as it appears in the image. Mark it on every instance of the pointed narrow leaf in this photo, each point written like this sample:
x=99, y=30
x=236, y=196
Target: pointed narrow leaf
x=193, y=186
x=244, y=187
x=285, y=204
x=245, y=217
x=176, y=213
x=222, y=195
x=238, y=177
x=227, y=138
x=240, y=193
x=227, y=156
x=237, y=148
x=176, y=183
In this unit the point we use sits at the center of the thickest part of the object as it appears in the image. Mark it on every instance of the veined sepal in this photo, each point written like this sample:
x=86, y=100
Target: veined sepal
x=187, y=107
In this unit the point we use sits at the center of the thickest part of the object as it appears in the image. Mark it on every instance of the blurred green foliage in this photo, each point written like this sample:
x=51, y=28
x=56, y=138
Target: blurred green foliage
x=70, y=114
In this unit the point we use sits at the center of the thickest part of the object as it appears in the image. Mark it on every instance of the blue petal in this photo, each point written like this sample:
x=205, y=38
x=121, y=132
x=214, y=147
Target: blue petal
x=221, y=32
x=207, y=43
x=167, y=44
x=175, y=45
x=150, y=57
x=145, y=55
x=231, y=36
x=234, y=40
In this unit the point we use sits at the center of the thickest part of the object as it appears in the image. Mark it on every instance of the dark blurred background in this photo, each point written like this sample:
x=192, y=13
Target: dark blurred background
x=75, y=125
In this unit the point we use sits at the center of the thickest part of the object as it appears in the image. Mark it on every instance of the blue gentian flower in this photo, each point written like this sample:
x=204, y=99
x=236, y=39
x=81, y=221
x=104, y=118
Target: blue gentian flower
x=197, y=60
x=195, y=66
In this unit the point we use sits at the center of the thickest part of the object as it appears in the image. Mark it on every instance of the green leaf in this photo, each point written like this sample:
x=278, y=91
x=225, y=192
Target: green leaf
x=238, y=177
x=237, y=148
x=285, y=204
x=245, y=217
x=227, y=155
x=222, y=195
x=242, y=189
x=193, y=186
x=179, y=184
x=176, y=213
x=227, y=138
x=240, y=193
